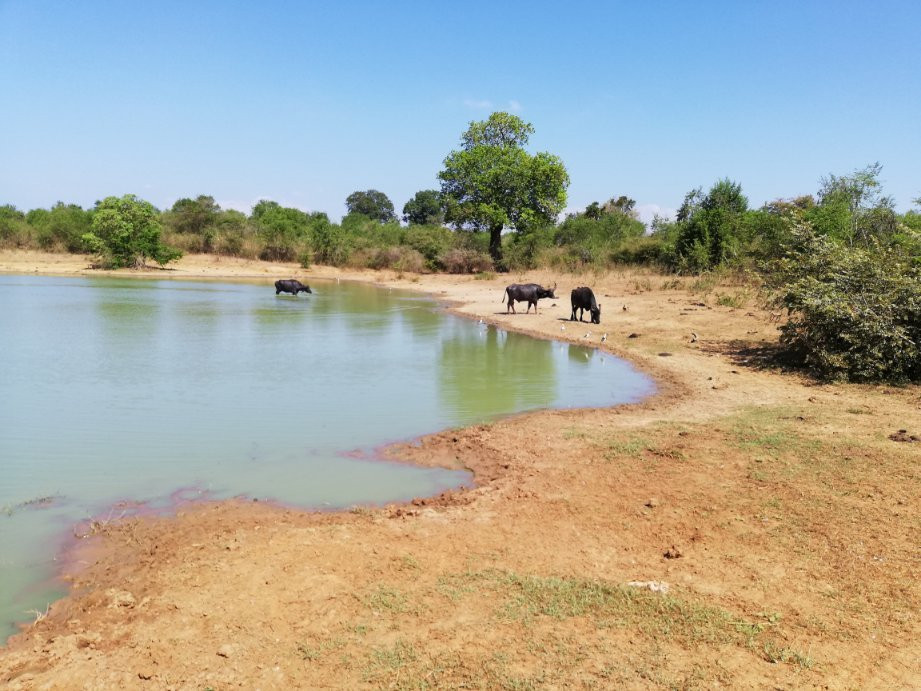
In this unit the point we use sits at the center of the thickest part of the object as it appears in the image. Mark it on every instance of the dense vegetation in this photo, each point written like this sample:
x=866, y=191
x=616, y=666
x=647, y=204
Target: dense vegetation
x=842, y=262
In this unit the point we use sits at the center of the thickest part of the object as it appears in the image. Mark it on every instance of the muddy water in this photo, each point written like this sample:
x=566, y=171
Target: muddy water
x=123, y=389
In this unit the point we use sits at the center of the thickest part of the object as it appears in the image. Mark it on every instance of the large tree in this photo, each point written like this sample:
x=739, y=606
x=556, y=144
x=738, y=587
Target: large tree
x=372, y=204
x=491, y=183
x=126, y=232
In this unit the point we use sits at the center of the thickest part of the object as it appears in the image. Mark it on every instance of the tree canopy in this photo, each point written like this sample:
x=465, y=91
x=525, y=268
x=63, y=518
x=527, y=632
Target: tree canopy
x=492, y=183
x=194, y=215
x=425, y=208
x=371, y=203
x=852, y=207
x=709, y=227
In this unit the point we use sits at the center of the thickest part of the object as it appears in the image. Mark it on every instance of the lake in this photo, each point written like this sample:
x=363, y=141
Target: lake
x=143, y=390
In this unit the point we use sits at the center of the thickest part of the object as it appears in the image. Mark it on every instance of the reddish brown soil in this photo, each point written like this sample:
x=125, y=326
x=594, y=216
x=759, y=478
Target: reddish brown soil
x=780, y=513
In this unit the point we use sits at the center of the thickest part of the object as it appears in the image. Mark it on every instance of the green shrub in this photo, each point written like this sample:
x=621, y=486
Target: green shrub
x=524, y=250
x=430, y=241
x=855, y=312
x=710, y=228
x=649, y=249
x=332, y=245
x=126, y=232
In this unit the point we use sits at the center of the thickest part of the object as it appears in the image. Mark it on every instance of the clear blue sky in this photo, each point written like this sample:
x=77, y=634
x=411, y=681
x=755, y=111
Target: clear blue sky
x=304, y=103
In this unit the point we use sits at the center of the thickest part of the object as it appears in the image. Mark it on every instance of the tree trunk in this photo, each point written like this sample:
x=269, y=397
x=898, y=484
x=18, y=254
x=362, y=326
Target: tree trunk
x=495, y=245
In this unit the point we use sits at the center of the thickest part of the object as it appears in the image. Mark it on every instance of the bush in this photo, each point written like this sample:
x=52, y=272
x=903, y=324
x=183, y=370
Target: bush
x=231, y=243
x=396, y=258
x=431, y=241
x=524, y=250
x=645, y=250
x=710, y=228
x=126, y=232
x=332, y=245
x=466, y=261
x=278, y=253
x=855, y=313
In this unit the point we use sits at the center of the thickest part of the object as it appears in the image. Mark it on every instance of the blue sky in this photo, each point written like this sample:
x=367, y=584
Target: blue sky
x=304, y=103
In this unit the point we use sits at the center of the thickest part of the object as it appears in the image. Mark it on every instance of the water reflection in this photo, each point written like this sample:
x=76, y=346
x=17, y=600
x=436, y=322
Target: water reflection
x=490, y=371
x=580, y=355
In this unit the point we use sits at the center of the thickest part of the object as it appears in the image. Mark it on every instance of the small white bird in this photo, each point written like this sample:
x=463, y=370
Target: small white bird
x=587, y=334
x=604, y=337
x=481, y=322
x=693, y=337
x=562, y=328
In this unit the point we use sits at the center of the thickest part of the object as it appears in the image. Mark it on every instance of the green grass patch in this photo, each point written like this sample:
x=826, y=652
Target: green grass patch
x=311, y=652
x=394, y=666
x=544, y=651
x=627, y=447
x=784, y=655
x=526, y=598
x=736, y=300
x=388, y=599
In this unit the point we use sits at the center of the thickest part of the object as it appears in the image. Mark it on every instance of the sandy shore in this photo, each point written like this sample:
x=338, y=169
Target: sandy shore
x=777, y=512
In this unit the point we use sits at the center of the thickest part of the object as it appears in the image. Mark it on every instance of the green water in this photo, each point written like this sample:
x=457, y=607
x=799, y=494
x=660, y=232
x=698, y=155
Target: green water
x=118, y=390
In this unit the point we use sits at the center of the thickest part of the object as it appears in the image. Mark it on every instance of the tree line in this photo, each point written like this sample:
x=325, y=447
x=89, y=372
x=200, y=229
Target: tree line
x=842, y=261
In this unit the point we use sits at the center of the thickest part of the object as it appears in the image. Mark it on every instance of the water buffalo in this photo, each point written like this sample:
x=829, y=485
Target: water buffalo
x=519, y=292
x=290, y=285
x=584, y=299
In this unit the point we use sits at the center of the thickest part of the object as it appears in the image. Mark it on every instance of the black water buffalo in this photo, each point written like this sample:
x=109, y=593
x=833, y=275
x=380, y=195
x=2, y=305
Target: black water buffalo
x=290, y=285
x=519, y=292
x=584, y=299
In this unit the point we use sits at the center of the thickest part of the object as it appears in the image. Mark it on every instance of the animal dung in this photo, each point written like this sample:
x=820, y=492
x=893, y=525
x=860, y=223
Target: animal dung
x=673, y=553
x=903, y=435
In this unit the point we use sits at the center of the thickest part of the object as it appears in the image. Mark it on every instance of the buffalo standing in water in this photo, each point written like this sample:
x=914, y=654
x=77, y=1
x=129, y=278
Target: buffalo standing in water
x=290, y=285
x=530, y=292
x=584, y=299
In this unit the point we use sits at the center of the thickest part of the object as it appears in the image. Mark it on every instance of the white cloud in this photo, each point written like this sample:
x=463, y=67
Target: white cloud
x=235, y=204
x=512, y=106
x=647, y=212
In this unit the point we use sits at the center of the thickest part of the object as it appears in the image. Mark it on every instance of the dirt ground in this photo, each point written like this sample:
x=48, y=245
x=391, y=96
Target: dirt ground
x=743, y=528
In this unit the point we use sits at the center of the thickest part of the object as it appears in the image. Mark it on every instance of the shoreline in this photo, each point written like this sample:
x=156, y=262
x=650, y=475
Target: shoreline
x=598, y=494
